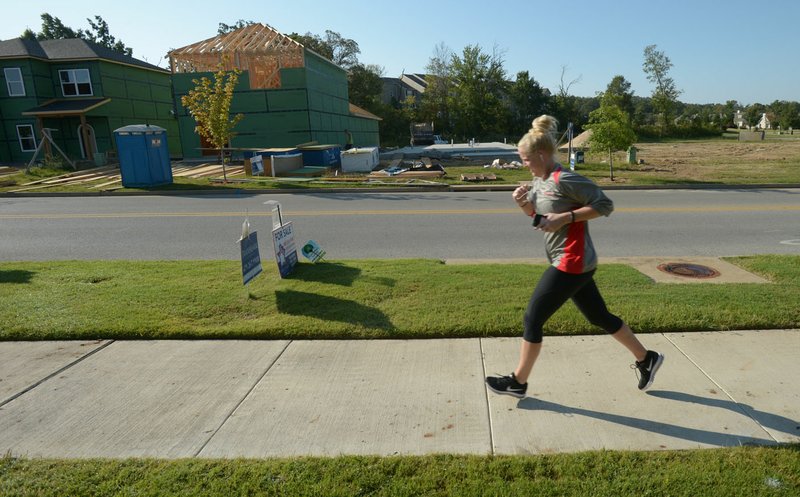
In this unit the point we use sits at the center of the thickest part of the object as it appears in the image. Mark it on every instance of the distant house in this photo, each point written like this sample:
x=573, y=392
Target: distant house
x=396, y=90
x=287, y=93
x=739, y=120
x=764, y=122
x=82, y=92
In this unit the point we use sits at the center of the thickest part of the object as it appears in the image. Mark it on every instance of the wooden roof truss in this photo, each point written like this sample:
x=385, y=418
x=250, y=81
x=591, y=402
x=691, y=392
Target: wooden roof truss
x=259, y=49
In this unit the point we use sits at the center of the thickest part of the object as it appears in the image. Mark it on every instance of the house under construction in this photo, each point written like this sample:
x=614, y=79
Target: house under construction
x=287, y=93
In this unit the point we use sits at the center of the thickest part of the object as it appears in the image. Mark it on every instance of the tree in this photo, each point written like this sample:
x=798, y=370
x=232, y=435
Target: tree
x=611, y=130
x=476, y=97
x=656, y=67
x=365, y=85
x=210, y=103
x=787, y=114
x=227, y=28
x=753, y=113
x=99, y=32
x=340, y=50
x=434, y=104
x=565, y=104
x=101, y=35
x=618, y=92
x=527, y=101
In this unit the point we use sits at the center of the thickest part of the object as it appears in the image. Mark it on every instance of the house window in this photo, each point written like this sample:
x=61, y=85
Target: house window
x=27, y=140
x=16, y=87
x=75, y=83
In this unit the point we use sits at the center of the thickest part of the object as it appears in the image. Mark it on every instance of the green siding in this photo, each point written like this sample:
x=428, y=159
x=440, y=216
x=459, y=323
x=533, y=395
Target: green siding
x=138, y=96
x=310, y=105
x=249, y=101
x=287, y=100
x=293, y=78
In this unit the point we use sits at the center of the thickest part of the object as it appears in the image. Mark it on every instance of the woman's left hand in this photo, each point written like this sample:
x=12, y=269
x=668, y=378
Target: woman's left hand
x=554, y=222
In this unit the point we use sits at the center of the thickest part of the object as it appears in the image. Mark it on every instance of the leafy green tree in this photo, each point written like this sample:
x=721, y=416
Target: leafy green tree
x=527, y=100
x=99, y=32
x=618, y=92
x=611, y=131
x=656, y=67
x=227, y=28
x=210, y=103
x=365, y=86
x=476, y=97
x=333, y=46
x=787, y=114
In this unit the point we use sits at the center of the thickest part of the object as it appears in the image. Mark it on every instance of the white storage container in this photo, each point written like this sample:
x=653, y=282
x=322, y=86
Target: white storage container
x=360, y=159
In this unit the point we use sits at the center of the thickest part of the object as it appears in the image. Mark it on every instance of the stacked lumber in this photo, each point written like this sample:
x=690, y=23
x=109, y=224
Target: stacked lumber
x=206, y=171
x=73, y=178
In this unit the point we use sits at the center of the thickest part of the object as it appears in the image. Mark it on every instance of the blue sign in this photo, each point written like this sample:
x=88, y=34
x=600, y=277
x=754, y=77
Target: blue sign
x=285, y=250
x=251, y=260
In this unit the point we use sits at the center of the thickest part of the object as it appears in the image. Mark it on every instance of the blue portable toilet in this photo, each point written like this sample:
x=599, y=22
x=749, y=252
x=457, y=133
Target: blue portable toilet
x=143, y=155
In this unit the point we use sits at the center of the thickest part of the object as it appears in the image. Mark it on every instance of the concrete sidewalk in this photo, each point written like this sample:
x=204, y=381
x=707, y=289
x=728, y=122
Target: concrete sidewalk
x=286, y=398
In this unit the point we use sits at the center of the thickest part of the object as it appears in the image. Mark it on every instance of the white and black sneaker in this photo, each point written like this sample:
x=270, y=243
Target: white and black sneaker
x=648, y=368
x=506, y=385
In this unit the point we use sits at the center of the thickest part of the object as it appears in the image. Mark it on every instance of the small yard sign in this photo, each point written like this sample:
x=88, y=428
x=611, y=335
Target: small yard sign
x=285, y=250
x=251, y=260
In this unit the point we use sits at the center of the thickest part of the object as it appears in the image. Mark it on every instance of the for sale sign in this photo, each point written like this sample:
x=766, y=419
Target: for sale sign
x=285, y=250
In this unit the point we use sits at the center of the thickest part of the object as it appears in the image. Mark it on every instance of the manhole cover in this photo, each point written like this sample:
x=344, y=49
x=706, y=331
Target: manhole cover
x=688, y=270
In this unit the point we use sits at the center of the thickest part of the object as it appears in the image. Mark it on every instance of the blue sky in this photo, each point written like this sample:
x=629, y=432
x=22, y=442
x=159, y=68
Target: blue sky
x=733, y=50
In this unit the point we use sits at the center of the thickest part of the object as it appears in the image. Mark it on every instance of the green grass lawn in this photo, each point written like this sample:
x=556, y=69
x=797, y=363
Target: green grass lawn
x=361, y=299
x=744, y=471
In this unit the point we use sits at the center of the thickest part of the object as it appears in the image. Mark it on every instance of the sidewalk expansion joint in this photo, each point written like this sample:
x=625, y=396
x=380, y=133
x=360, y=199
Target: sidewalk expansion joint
x=486, y=397
x=52, y=375
x=238, y=404
x=721, y=388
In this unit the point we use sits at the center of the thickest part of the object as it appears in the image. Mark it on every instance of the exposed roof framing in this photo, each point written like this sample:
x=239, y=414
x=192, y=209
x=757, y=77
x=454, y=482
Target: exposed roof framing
x=257, y=48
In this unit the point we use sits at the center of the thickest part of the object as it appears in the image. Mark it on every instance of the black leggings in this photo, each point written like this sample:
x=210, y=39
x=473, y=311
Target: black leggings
x=554, y=289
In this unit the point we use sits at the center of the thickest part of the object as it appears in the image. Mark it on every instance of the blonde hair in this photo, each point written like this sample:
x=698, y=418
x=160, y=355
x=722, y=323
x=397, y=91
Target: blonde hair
x=542, y=135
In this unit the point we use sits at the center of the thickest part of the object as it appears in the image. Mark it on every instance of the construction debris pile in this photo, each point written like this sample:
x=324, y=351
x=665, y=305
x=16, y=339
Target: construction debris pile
x=423, y=168
x=502, y=164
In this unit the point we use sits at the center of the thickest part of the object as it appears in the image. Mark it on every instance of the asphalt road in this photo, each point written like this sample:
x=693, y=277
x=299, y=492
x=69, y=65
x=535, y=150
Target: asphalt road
x=482, y=225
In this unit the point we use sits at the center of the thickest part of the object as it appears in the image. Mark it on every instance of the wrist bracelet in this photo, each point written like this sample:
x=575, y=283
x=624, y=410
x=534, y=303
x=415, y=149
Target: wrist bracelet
x=572, y=213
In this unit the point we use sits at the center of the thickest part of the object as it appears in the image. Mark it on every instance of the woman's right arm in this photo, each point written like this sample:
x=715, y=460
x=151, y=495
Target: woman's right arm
x=520, y=196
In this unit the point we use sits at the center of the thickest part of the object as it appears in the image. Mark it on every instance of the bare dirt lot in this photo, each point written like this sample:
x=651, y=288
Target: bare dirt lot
x=775, y=160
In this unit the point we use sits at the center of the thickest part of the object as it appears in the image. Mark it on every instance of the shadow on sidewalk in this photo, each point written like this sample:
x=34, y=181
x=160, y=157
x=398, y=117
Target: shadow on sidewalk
x=671, y=430
x=331, y=309
x=765, y=419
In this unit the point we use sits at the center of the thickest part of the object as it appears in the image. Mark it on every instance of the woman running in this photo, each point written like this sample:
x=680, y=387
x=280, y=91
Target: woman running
x=561, y=202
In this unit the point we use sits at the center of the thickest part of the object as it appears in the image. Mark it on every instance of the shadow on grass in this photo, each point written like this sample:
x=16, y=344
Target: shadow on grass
x=330, y=309
x=683, y=432
x=16, y=276
x=765, y=419
x=334, y=273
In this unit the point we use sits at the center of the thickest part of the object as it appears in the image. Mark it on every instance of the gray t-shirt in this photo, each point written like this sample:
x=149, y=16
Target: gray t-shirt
x=569, y=249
